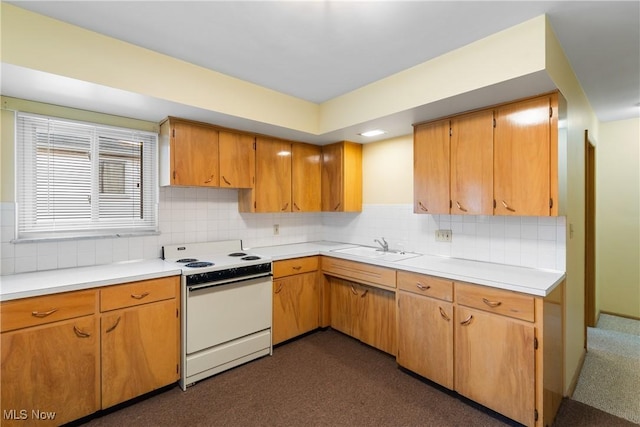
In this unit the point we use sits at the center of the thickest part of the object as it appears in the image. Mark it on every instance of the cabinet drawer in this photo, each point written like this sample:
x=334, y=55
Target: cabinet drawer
x=422, y=284
x=295, y=266
x=359, y=272
x=34, y=311
x=498, y=301
x=137, y=293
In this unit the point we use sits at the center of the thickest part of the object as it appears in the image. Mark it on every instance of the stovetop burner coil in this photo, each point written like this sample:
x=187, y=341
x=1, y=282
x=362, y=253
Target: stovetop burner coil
x=199, y=264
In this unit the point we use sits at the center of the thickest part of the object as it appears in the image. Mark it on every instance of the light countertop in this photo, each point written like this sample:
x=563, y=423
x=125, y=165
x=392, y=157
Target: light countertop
x=72, y=279
x=533, y=281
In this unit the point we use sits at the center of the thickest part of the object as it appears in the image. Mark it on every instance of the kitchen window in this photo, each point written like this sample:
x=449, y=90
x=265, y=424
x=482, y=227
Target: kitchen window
x=77, y=179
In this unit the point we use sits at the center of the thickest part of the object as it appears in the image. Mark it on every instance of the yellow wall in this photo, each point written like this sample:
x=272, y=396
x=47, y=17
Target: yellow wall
x=618, y=217
x=387, y=171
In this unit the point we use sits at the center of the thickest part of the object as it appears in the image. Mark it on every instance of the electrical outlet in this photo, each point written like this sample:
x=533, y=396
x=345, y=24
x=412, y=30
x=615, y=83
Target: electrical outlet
x=276, y=229
x=443, y=235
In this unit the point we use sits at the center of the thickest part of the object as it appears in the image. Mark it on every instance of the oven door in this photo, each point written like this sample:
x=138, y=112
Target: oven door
x=216, y=314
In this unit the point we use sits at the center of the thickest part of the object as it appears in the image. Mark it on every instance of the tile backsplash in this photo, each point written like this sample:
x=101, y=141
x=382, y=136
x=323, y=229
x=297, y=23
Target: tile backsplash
x=202, y=214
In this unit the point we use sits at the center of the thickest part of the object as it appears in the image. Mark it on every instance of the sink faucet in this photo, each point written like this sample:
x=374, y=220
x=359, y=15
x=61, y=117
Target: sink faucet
x=384, y=244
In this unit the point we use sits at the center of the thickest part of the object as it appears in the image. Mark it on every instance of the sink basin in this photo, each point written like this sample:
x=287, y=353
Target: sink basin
x=376, y=253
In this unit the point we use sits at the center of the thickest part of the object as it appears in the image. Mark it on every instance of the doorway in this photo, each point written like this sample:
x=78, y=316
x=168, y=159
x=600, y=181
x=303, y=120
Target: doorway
x=590, y=317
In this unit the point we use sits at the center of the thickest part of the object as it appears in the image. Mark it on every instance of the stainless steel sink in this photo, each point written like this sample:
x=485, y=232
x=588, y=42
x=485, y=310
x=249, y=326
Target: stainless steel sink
x=377, y=253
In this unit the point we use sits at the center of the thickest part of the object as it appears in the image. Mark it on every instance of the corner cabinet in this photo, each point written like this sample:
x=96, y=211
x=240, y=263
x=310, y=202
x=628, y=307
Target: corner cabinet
x=50, y=359
x=296, y=298
x=362, y=301
x=484, y=343
x=287, y=178
x=496, y=161
x=342, y=177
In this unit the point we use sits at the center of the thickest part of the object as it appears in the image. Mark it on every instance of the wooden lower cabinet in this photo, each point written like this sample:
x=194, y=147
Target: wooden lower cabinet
x=364, y=312
x=295, y=306
x=51, y=373
x=495, y=363
x=138, y=351
x=425, y=337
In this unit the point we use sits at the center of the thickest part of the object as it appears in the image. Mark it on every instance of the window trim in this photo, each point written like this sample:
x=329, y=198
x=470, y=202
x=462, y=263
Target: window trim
x=96, y=226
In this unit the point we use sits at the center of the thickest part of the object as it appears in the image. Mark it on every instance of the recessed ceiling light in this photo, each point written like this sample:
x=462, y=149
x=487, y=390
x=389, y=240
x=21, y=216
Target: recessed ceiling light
x=374, y=132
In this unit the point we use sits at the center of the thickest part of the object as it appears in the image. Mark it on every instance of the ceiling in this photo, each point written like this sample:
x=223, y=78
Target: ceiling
x=318, y=50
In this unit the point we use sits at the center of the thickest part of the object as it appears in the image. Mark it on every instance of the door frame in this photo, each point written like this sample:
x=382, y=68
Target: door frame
x=590, y=315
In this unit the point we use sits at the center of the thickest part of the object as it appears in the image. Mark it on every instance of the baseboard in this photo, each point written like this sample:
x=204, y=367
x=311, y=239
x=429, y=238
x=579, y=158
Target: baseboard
x=626, y=316
x=576, y=375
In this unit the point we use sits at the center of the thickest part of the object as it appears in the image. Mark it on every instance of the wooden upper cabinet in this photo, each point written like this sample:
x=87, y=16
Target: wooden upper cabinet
x=237, y=160
x=342, y=177
x=193, y=154
x=306, y=172
x=273, y=175
x=431, y=168
x=471, y=183
x=522, y=158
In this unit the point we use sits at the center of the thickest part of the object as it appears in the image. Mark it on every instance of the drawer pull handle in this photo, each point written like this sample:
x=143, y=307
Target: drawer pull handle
x=491, y=303
x=467, y=321
x=279, y=289
x=353, y=290
x=422, y=207
x=139, y=296
x=423, y=287
x=443, y=314
x=41, y=314
x=364, y=293
x=297, y=267
x=115, y=325
x=225, y=180
x=79, y=332
x=507, y=207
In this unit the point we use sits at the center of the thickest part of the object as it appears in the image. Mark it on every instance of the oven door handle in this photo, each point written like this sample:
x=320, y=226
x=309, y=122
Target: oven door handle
x=202, y=286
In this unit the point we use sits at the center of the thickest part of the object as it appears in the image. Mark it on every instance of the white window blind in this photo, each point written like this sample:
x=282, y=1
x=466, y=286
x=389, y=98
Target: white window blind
x=79, y=179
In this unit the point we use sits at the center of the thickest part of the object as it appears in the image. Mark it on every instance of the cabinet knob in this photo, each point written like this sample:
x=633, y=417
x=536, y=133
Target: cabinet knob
x=115, y=325
x=422, y=207
x=297, y=267
x=225, y=180
x=353, y=290
x=295, y=205
x=364, y=293
x=337, y=207
x=277, y=291
x=460, y=207
x=286, y=205
x=209, y=180
x=422, y=287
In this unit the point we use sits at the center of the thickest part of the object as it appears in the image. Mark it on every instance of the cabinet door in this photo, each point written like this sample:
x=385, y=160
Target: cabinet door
x=495, y=363
x=295, y=306
x=306, y=177
x=425, y=337
x=53, y=368
x=139, y=350
x=377, y=318
x=521, y=158
x=342, y=177
x=472, y=164
x=431, y=168
x=194, y=150
x=237, y=160
x=273, y=175
x=344, y=306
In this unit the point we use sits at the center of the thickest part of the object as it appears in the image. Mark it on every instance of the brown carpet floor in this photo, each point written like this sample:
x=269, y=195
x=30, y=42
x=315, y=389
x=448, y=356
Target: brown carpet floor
x=322, y=379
